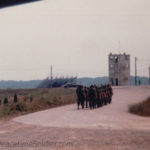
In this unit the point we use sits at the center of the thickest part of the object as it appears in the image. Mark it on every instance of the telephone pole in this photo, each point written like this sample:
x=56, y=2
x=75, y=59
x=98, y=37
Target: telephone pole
x=149, y=75
x=119, y=46
x=51, y=77
x=135, y=70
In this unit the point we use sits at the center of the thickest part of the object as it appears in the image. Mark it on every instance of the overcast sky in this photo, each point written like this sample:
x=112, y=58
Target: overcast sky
x=75, y=36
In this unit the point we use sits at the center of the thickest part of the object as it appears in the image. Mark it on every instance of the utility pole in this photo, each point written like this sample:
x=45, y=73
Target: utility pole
x=119, y=46
x=135, y=70
x=149, y=75
x=51, y=77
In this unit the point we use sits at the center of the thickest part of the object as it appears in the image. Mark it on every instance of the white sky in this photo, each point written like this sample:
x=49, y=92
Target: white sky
x=75, y=36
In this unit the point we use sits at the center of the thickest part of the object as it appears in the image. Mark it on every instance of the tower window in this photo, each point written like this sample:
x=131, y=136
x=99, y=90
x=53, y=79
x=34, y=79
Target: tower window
x=116, y=59
x=111, y=66
x=111, y=57
x=126, y=57
x=127, y=66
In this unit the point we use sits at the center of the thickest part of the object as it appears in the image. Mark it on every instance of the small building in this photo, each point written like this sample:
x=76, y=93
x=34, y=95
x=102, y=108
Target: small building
x=119, y=69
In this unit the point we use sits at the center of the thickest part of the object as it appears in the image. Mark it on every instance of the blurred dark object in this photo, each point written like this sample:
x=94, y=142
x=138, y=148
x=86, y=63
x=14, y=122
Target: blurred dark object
x=57, y=82
x=6, y=101
x=70, y=85
x=7, y=3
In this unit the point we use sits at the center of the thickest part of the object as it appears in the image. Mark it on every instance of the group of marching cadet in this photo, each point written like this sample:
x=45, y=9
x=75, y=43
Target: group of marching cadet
x=94, y=96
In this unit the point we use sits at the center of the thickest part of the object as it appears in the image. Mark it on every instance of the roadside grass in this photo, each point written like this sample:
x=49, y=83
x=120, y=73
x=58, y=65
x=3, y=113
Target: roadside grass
x=142, y=109
x=34, y=100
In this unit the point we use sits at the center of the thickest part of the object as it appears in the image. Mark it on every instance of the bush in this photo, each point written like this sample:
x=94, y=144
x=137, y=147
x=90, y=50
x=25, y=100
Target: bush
x=21, y=107
x=31, y=99
x=142, y=109
x=15, y=98
x=6, y=101
x=5, y=111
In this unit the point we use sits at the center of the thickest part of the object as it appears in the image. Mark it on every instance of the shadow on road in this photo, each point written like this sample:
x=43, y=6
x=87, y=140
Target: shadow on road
x=8, y=3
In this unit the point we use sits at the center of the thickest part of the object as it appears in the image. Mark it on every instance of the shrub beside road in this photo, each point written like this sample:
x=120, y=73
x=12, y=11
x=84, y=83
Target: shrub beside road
x=142, y=109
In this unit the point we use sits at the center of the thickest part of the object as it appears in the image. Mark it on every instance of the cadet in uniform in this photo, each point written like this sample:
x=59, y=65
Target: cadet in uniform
x=80, y=97
x=98, y=97
x=91, y=97
x=86, y=96
x=94, y=96
x=101, y=96
x=110, y=92
x=104, y=96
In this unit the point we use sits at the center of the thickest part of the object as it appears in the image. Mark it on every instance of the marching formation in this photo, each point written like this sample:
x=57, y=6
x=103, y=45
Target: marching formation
x=94, y=96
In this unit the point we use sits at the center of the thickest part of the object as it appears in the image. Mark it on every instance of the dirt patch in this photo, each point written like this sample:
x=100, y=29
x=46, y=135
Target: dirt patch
x=73, y=139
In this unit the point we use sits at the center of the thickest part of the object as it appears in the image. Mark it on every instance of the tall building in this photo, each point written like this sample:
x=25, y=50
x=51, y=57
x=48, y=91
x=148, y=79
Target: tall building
x=119, y=69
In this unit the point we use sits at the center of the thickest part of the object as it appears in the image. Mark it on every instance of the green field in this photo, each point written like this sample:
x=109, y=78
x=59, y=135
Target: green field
x=32, y=100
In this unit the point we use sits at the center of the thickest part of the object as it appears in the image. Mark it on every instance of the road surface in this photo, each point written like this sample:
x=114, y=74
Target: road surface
x=111, y=127
x=113, y=116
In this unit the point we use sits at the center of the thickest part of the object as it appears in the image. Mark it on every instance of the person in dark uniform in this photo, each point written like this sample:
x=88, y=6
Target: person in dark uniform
x=91, y=97
x=97, y=96
x=104, y=96
x=110, y=93
x=80, y=96
x=101, y=96
x=86, y=96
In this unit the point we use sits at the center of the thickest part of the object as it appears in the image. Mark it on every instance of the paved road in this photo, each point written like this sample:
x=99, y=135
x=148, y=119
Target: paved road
x=113, y=116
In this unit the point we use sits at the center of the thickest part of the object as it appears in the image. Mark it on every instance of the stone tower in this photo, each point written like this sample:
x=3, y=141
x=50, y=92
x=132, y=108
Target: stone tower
x=119, y=69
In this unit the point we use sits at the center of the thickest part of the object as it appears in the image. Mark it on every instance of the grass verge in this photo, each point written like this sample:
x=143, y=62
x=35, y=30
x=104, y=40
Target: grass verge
x=34, y=100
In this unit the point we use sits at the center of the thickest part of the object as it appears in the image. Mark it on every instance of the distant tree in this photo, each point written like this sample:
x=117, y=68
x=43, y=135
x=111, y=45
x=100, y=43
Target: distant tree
x=15, y=98
x=6, y=101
